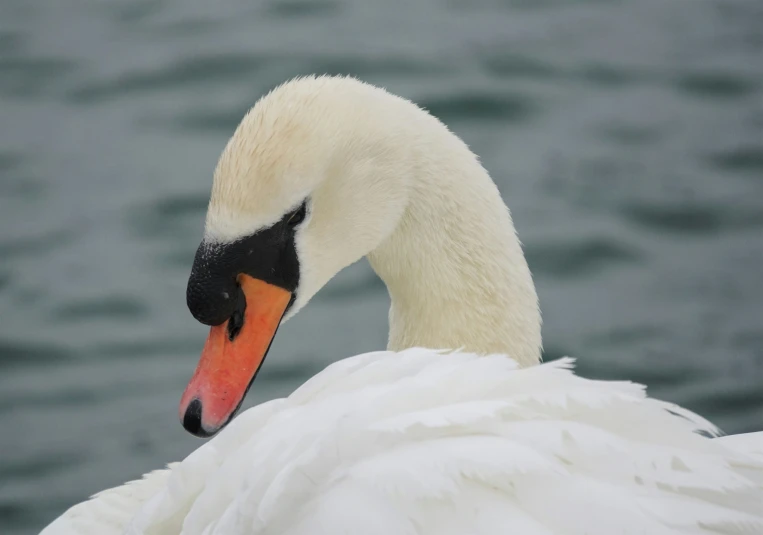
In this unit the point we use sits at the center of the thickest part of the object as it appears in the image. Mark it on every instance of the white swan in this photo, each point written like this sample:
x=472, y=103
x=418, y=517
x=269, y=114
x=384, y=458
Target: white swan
x=409, y=441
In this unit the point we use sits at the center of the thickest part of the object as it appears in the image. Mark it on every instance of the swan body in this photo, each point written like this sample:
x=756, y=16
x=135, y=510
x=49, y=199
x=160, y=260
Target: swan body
x=414, y=441
x=420, y=442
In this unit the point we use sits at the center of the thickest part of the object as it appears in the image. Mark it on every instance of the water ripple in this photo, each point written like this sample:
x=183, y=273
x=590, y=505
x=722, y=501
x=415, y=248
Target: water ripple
x=721, y=85
x=33, y=245
x=518, y=66
x=115, y=307
x=299, y=9
x=22, y=354
x=136, y=11
x=582, y=258
x=199, y=70
x=504, y=107
x=40, y=465
x=628, y=134
x=168, y=216
x=217, y=121
x=691, y=218
x=27, y=77
x=743, y=159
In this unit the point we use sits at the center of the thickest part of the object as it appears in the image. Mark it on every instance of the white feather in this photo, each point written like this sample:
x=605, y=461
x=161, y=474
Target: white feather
x=338, y=459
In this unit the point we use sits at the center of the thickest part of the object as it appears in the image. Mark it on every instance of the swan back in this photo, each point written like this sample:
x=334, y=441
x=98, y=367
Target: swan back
x=424, y=443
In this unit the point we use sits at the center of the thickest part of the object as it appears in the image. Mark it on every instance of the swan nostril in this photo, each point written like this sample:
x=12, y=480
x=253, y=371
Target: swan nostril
x=235, y=323
x=192, y=419
x=236, y=320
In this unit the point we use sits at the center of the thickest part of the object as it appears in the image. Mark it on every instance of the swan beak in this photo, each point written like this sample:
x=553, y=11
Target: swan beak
x=231, y=359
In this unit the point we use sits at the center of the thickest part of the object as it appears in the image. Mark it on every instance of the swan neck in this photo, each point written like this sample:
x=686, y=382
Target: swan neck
x=454, y=267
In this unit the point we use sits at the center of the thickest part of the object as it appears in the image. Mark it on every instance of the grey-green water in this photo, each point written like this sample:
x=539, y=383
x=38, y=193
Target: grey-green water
x=626, y=136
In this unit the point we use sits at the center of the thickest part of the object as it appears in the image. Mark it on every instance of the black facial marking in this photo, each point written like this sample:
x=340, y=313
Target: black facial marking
x=213, y=294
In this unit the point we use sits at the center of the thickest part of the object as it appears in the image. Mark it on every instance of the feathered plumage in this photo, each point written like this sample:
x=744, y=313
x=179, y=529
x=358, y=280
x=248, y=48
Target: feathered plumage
x=421, y=443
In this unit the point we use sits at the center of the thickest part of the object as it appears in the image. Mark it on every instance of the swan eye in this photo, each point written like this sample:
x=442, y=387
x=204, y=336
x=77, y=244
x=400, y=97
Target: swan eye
x=298, y=216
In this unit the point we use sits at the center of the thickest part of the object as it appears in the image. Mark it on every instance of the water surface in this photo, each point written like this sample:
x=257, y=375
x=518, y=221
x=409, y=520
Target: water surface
x=626, y=136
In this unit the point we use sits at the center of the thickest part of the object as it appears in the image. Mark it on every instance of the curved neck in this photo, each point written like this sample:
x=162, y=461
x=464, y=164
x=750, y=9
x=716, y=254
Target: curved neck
x=453, y=266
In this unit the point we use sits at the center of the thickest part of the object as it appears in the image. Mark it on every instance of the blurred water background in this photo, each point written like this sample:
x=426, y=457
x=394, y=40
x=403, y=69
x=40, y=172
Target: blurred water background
x=626, y=136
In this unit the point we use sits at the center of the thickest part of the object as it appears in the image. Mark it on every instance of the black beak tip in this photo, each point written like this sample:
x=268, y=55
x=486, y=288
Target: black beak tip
x=192, y=420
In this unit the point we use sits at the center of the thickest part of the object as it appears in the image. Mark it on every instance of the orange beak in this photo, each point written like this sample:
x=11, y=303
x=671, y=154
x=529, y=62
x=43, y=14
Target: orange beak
x=228, y=367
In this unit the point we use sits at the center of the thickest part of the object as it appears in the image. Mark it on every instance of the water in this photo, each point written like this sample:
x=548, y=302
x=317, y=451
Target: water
x=626, y=136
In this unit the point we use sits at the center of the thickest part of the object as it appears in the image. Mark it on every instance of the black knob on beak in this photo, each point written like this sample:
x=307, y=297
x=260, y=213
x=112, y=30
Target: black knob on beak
x=212, y=292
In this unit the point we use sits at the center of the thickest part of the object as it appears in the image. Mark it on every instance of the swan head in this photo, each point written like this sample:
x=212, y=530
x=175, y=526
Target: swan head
x=297, y=196
x=321, y=172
